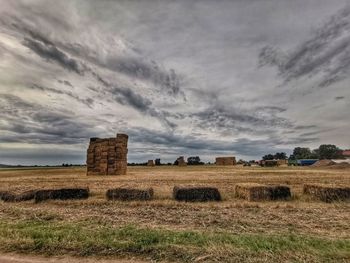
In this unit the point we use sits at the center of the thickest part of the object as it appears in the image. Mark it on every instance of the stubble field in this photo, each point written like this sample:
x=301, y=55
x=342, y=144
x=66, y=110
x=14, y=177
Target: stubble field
x=234, y=230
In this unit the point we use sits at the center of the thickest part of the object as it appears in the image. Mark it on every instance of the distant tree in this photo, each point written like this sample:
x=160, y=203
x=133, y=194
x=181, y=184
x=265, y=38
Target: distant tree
x=268, y=157
x=241, y=161
x=194, y=160
x=302, y=153
x=176, y=162
x=157, y=162
x=329, y=151
x=280, y=156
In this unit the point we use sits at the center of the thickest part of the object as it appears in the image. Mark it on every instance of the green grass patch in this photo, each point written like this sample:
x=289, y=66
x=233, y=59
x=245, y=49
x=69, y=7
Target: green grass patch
x=90, y=238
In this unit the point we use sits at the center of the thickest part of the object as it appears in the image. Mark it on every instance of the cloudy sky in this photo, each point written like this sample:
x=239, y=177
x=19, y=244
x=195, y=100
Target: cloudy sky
x=207, y=78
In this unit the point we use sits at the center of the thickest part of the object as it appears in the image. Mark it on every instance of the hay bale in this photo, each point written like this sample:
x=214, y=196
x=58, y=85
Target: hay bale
x=150, y=163
x=327, y=193
x=7, y=196
x=129, y=194
x=61, y=194
x=25, y=196
x=193, y=194
x=231, y=160
x=12, y=197
x=259, y=192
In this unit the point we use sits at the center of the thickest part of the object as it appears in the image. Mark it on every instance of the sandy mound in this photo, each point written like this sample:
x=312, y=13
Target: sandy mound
x=331, y=164
x=343, y=165
x=322, y=163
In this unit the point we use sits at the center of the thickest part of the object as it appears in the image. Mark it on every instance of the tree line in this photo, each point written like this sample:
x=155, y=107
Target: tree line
x=324, y=151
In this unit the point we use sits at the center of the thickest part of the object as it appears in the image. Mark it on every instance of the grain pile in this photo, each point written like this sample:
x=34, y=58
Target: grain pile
x=225, y=160
x=259, y=192
x=62, y=194
x=150, y=163
x=323, y=163
x=129, y=194
x=200, y=194
x=327, y=193
x=107, y=156
x=342, y=165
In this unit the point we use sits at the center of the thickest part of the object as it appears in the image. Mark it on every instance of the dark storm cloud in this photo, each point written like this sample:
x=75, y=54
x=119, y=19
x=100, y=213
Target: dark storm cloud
x=32, y=123
x=326, y=53
x=339, y=98
x=135, y=67
x=52, y=53
x=127, y=96
x=45, y=48
x=257, y=120
x=65, y=82
x=88, y=101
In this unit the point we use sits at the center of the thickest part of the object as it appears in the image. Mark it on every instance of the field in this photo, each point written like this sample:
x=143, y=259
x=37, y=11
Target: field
x=234, y=230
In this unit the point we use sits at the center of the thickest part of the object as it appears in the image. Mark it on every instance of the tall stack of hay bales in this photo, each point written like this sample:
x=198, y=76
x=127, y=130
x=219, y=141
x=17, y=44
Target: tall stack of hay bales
x=225, y=160
x=150, y=163
x=107, y=156
x=181, y=161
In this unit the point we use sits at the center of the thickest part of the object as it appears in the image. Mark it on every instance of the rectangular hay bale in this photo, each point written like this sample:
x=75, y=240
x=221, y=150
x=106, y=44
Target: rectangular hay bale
x=199, y=194
x=327, y=193
x=62, y=194
x=129, y=194
x=13, y=197
x=259, y=192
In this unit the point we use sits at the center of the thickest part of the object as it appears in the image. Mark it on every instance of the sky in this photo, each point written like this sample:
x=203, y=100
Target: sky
x=193, y=78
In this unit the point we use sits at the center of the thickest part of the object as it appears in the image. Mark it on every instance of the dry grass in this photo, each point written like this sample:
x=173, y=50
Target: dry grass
x=300, y=216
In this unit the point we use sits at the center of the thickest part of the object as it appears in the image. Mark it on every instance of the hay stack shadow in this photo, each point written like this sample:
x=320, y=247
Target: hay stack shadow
x=129, y=194
x=327, y=193
x=259, y=192
x=196, y=194
x=61, y=194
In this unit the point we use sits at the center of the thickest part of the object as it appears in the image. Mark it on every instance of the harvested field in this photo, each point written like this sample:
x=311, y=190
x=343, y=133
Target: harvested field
x=129, y=194
x=196, y=194
x=162, y=229
x=61, y=194
x=259, y=192
x=328, y=193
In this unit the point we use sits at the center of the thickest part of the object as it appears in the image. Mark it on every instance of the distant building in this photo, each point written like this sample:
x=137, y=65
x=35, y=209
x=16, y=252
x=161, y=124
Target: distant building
x=346, y=154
